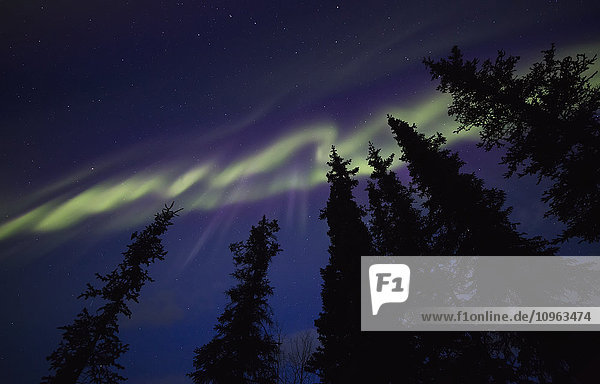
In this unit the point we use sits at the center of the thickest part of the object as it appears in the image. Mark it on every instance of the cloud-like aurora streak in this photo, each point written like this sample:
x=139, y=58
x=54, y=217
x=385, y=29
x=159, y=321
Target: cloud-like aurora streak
x=261, y=174
x=279, y=166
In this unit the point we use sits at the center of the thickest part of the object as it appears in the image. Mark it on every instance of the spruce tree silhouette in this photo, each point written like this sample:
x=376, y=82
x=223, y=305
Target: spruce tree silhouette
x=90, y=347
x=338, y=358
x=243, y=350
x=396, y=226
x=466, y=219
x=547, y=120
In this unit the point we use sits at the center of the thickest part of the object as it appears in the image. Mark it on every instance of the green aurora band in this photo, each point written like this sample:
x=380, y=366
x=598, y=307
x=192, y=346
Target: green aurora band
x=276, y=168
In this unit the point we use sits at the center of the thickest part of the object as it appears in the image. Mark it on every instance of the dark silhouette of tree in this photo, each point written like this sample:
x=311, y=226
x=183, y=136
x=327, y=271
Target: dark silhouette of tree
x=338, y=357
x=90, y=347
x=547, y=120
x=396, y=226
x=243, y=350
x=466, y=219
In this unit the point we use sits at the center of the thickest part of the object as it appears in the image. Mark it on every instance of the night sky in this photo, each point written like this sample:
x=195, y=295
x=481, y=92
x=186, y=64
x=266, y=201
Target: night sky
x=110, y=109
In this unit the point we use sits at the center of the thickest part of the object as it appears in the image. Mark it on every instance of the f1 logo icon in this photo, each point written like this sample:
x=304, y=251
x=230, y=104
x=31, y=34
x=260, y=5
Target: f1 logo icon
x=389, y=284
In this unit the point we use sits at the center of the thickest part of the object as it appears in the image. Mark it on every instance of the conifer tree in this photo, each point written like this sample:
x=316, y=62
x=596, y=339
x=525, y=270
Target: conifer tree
x=466, y=219
x=396, y=226
x=91, y=347
x=244, y=350
x=469, y=219
x=547, y=120
x=338, y=358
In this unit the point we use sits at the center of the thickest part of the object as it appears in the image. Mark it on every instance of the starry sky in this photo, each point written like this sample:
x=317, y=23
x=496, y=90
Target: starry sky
x=111, y=109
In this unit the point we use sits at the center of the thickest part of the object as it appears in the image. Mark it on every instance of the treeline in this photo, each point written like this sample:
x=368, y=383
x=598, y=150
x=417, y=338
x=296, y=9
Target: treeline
x=546, y=121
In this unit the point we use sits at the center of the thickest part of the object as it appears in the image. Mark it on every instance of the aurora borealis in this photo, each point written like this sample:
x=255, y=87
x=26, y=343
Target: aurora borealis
x=210, y=185
x=228, y=109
